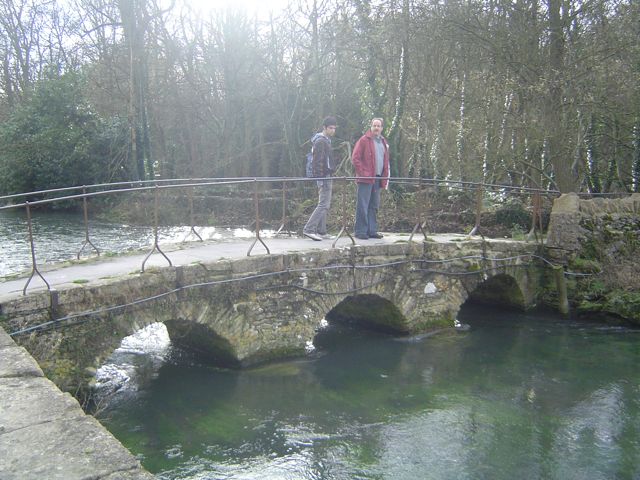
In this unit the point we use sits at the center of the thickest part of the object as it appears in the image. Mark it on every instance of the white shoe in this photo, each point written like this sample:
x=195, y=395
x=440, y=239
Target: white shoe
x=313, y=236
x=326, y=236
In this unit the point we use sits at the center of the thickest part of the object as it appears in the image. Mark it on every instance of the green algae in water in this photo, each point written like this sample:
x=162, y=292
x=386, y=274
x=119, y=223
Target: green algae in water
x=516, y=396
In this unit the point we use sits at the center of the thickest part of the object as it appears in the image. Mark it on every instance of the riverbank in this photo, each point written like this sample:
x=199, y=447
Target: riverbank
x=44, y=433
x=599, y=240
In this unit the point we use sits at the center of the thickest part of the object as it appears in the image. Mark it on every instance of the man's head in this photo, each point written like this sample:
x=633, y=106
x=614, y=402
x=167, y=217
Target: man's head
x=376, y=126
x=329, y=125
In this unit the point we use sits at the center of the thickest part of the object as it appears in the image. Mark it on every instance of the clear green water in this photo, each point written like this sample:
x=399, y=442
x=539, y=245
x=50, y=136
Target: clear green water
x=517, y=396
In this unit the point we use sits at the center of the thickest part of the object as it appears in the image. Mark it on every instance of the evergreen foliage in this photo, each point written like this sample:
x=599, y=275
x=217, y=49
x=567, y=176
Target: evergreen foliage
x=53, y=139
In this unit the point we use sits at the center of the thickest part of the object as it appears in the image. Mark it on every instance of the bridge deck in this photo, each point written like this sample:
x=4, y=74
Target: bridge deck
x=183, y=254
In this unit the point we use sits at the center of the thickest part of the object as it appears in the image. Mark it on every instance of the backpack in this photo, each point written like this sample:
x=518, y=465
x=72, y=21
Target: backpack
x=309, y=165
x=309, y=157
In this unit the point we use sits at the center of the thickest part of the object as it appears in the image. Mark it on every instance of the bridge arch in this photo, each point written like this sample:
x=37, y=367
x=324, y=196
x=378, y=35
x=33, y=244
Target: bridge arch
x=512, y=286
x=264, y=320
x=501, y=289
x=370, y=311
x=202, y=339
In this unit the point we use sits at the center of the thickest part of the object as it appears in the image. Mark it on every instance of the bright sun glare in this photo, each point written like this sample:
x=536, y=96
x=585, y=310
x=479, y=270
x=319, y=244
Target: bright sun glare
x=261, y=8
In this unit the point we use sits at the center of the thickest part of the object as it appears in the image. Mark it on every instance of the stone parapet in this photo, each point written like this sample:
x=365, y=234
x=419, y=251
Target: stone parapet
x=570, y=215
x=44, y=434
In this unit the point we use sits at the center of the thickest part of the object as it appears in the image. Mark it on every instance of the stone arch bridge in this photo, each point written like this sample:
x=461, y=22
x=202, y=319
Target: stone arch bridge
x=245, y=311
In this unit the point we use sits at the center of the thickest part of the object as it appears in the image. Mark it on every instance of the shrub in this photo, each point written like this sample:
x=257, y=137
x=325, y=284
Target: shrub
x=54, y=139
x=512, y=215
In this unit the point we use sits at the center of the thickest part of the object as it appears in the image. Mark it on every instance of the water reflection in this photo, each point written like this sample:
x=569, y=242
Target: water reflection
x=515, y=396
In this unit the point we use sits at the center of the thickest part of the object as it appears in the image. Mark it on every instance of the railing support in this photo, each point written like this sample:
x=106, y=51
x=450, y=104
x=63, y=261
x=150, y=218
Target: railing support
x=479, y=195
x=191, y=217
x=344, y=229
x=156, y=245
x=34, y=266
x=285, y=217
x=536, y=217
x=87, y=241
x=420, y=223
x=257, y=209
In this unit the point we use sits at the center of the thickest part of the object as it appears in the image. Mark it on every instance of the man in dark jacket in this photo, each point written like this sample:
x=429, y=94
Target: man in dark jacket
x=323, y=166
x=371, y=161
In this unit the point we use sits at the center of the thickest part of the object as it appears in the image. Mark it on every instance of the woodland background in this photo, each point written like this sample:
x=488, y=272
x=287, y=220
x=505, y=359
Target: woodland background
x=543, y=93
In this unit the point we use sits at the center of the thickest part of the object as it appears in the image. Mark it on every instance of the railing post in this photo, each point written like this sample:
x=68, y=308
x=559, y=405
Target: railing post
x=479, y=194
x=536, y=216
x=156, y=245
x=86, y=225
x=344, y=229
x=256, y=203
x=285, y=217
x=191, y=216
x=34, y=266
x=420, y=223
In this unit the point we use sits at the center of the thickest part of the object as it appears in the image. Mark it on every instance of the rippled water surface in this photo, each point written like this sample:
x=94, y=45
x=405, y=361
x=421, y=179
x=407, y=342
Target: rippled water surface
x=60, y=236
x=517, y=396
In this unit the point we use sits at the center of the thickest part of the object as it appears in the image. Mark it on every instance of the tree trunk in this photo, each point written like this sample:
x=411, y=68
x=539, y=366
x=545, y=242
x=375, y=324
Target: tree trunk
x=397, y=165
x=635, y=181
x=565, y=180
x=134, y=36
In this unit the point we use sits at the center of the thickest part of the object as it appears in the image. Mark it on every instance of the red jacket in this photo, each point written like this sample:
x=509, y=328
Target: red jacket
x=364, y=160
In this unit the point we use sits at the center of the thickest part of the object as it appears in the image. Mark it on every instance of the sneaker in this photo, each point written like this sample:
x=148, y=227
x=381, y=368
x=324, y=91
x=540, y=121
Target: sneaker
x=362, y=237
x=326, y=236
x=313, y=236
x=376, y=235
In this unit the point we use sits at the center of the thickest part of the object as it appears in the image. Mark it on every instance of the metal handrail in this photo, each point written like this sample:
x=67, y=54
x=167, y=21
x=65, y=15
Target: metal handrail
x=87, y=241
x=202, y=182
x=93, y=191
x=420, y=223
x=156, y=244
x=34, y=264
x=344, y=229
x=256, y=202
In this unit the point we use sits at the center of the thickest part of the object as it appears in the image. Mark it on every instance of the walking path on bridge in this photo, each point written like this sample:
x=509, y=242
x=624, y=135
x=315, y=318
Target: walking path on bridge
x=97, y=268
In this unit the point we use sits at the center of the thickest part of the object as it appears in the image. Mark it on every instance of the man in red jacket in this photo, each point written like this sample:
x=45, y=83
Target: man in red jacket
x=371, y=161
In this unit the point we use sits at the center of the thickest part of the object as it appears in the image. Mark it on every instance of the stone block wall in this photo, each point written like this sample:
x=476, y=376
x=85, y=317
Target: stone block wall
x=599, y=242
x=575, y=221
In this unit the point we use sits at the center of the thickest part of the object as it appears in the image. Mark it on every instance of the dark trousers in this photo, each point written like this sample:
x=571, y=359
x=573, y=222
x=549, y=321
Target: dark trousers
x=367, y=204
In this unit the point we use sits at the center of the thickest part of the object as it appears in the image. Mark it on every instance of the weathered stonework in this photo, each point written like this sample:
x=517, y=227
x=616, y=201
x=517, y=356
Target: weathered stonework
x=277, y=303
x=567, y=234
x=44, y=434
x=600, y=240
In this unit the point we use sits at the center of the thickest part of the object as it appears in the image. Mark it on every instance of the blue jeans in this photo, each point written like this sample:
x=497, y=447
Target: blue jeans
x=318, y=220
x=367, y=204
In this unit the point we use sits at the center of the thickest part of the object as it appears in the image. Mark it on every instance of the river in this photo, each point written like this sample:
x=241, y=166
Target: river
x=59, y=236
x=517, y=395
